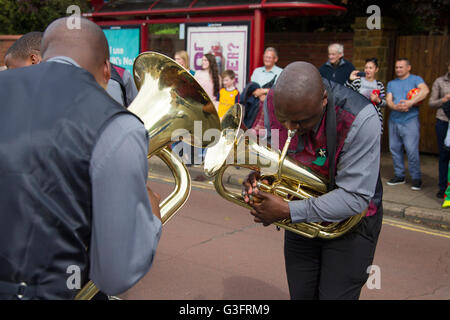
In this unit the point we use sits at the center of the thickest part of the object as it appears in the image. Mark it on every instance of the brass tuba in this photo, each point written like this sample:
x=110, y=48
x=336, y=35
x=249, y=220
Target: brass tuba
x=169, y=99
x=289, y=179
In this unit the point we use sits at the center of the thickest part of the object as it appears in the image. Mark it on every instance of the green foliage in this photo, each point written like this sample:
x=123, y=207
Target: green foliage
x=22, y=16
x=167, y=28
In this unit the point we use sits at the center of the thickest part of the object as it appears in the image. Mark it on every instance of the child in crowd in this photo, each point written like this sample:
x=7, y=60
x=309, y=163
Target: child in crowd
x=228, y=95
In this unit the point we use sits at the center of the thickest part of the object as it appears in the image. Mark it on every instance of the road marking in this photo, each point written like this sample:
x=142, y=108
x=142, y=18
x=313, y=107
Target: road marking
x=391, y=222
x=416, y=228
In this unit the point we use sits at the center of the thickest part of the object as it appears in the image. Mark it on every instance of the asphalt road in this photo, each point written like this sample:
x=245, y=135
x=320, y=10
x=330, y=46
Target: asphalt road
x=212, y=250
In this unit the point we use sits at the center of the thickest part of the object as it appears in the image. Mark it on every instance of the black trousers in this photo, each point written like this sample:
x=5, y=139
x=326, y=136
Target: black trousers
x=331, y=269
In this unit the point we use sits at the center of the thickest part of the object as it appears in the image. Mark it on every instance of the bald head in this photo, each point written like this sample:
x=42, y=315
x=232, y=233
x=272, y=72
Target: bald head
x=299, y=96
x=86, y=45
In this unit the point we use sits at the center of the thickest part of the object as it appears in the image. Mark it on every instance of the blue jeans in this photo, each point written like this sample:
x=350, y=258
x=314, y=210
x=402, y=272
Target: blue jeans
x=405, y=137
x=444, y=154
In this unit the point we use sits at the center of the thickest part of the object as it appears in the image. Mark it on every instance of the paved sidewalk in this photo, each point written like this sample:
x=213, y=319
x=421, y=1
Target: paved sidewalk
x=400, y=201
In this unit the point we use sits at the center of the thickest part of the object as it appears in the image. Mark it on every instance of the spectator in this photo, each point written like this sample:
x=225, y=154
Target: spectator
x=228, y=95
x=209, y=79
x=251, y=103
x=446, y=108
x=121, y=86
x=404, y=126
x=440, y=94
x=182, y=58
x=369, y=87
x=26, y=51
x=267, y=75
x=336, y=69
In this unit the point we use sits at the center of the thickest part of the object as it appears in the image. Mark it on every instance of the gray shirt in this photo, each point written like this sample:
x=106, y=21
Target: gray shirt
x=356, y=176
x=115, y=91
x=125, y=233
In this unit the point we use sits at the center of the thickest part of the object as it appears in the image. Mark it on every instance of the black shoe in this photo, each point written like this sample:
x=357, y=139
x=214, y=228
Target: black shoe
x=416, y=185
x=440, y=194
x=396, y=180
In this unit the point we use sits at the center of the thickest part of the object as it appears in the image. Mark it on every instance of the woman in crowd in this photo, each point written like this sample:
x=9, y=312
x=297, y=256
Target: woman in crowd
x=182, y=58
x=209, y=77
x=368, y=86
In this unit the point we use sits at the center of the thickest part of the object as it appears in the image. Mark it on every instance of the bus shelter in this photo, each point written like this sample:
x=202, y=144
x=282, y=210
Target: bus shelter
x=233, y=30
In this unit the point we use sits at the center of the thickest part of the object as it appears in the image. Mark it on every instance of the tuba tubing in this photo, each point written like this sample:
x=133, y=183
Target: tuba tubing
x=305, y=229
x=291, y=179
x=168, y=207
x=169, y=99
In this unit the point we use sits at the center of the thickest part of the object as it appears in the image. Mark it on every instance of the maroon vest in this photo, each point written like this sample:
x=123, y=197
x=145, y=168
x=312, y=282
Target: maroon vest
x=315, y=154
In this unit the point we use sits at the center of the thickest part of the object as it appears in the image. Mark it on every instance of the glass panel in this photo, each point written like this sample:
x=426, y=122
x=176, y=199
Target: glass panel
x=221, y=3
x=165, y=39
x=172, y=4
x=126, y=5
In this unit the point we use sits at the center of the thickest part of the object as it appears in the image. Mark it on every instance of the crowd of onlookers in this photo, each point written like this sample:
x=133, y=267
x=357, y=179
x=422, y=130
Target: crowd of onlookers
x=402, y=96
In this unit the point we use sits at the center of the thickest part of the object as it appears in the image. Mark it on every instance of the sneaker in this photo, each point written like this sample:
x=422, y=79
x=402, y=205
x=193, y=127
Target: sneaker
x=416, y=185
x=396, y=180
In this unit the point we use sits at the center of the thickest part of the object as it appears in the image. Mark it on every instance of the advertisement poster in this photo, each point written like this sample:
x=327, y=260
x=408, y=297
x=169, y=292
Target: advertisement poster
x=229, y=44
x=124, y=44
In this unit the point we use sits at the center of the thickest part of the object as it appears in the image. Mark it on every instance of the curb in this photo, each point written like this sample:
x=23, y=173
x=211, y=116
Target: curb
x=423, y=216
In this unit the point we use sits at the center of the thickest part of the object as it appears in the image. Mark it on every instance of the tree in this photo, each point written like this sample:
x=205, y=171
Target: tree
x=22, y=16
x=412, y=17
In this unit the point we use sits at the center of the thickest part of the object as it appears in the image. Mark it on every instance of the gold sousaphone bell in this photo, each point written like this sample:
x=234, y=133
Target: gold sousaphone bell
x=169, y=100
x=289, y=179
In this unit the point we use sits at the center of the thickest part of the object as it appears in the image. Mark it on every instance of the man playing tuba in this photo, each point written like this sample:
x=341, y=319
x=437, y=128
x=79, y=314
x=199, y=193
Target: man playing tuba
x=338, y=136
x=73, y=173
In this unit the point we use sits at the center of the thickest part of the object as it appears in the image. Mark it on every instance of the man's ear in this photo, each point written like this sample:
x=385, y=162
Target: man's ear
x=325, y=98
x=35, y=58
x=106, y=73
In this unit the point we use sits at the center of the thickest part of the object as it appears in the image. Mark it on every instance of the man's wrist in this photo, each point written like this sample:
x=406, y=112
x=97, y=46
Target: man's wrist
x=286, y=213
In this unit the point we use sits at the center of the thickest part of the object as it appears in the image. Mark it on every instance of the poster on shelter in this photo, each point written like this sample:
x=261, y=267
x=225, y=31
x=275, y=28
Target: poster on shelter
x=227, y=43
x=124, y=44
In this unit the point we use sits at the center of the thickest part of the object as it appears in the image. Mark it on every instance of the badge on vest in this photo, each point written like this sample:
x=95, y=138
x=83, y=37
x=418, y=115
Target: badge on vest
x=321, y=157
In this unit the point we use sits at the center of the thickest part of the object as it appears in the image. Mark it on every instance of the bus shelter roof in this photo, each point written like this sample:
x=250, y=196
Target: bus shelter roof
x=196, y=8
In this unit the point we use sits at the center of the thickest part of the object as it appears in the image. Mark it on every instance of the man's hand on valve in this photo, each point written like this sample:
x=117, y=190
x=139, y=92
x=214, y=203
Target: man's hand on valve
x=267, y=208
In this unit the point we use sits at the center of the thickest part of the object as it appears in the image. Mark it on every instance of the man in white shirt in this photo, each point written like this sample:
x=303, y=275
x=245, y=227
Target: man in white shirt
x=267, y=75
